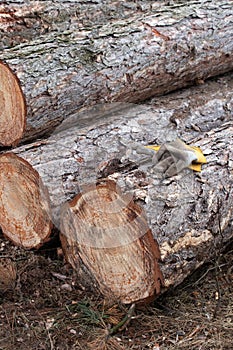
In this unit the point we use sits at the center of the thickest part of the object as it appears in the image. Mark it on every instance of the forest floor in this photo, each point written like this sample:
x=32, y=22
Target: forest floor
x=50, y=309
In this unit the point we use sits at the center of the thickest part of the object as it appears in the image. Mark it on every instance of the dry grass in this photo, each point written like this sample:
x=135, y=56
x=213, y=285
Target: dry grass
x=49, y=309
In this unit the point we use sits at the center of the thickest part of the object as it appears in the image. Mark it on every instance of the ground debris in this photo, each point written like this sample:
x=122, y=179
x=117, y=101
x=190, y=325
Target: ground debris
x=40, y=314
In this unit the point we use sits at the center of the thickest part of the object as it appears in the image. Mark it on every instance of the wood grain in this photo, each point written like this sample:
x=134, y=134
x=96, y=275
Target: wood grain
x=24, y=203
x=107, y=234
x=12, y=108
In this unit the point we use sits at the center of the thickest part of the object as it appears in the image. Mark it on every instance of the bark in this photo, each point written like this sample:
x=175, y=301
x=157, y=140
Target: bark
x=190, y=214
x=72, y=54
x=24, y=205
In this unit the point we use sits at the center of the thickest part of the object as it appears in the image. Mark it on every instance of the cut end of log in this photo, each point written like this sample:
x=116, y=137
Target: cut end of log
x=12, y=108
x=107, y=233
x=24, y=203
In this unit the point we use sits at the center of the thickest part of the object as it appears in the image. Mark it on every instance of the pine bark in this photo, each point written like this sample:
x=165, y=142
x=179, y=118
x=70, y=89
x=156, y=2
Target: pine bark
x=73, y=54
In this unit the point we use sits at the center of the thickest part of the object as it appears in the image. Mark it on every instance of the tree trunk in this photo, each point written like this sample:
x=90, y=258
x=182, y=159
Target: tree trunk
x=72, y=54
x=190, y=214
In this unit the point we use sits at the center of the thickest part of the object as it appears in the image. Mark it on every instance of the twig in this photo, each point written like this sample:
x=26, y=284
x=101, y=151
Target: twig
x=218, y=297
x=51, y=341
x=124, y=322
x=190, y=335
x=218, y=293
x=204, y=275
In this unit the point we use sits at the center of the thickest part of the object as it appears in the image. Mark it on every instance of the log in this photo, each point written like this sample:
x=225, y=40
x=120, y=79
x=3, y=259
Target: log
x=108, y=233
x=24, y=203
x=73, y=54
x=12, y=106
x=190, y=215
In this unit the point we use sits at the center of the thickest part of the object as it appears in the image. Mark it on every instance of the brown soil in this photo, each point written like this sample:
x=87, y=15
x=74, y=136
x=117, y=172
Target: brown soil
x=50, y=309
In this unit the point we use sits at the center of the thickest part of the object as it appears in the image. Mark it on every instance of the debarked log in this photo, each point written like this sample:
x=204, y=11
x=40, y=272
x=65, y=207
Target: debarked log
x=190, y=214
x=73, y=54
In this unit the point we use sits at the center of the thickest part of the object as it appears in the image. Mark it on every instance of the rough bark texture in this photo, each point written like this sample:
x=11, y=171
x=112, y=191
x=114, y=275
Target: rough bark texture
x=70, y=54
x=190, y=214
x=24, y=204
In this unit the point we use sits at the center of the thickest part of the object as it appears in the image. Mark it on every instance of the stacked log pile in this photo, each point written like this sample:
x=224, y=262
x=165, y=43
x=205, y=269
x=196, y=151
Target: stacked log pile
x=66, y=75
